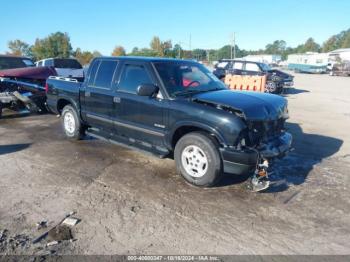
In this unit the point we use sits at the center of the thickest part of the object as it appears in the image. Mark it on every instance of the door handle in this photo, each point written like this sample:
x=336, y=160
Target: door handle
x=116, y=99
x=87, y=94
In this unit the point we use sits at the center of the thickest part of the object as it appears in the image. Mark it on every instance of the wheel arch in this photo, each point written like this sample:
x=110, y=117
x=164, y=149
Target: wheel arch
x=187, y=127
x=63, y=101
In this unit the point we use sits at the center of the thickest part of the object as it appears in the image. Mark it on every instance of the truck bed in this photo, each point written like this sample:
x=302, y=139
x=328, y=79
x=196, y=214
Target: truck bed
x=62, y=88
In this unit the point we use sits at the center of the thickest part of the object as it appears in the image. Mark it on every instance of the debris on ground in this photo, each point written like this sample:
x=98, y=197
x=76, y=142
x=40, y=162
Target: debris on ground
x=56, y=230
x=59, y=233
x=41, y=224
x=10, y=243
x=71, y=221
x=52, y=243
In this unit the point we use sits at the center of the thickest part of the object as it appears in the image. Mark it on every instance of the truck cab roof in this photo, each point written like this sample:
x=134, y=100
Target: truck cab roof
x=144, y=59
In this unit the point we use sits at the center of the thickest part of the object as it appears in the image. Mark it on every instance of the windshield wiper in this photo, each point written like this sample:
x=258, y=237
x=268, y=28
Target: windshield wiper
x=188, y=92
x=191, y=92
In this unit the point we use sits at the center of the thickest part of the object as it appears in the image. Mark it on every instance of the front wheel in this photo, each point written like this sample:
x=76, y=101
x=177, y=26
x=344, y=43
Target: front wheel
x=198, y=159
x=71, y=124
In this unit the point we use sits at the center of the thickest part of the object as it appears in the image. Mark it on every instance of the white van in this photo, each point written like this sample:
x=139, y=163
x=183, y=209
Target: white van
x=65, y=67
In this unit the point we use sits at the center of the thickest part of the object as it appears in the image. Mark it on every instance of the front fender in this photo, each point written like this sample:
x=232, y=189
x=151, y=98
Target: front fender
x=199, y=125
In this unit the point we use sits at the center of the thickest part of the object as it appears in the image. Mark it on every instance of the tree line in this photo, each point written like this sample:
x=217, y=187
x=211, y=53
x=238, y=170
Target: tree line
x=58, y=45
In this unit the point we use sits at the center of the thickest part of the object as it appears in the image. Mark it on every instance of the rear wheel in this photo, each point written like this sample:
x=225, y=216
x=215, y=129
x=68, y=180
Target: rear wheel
x=198, y=159
x=71, y=124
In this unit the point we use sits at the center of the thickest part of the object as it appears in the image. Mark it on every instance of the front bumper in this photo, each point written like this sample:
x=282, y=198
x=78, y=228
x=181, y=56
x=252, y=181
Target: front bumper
x=244, y=161
x=288, y=84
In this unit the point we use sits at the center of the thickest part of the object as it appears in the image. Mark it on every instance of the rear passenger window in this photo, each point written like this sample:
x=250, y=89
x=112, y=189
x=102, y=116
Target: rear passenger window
x=105, y=73
x=133, y=76
x=92, y=74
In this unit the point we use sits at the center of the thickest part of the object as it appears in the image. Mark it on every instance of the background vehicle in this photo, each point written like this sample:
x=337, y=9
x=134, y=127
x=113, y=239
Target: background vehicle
x=340, y=69
x=173, y=107
x=24, y=87
x=10, y=62
x=65, y=67
x=276, y=79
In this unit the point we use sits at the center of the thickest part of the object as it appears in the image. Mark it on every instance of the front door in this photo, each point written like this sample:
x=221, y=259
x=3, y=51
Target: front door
x=141, y=118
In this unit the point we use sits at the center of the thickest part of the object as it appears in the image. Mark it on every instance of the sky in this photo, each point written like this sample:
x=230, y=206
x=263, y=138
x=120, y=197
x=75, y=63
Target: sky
x=103, y=24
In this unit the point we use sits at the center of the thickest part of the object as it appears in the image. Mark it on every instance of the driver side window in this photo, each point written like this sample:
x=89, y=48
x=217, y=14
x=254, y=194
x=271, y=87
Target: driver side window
x=132, y=77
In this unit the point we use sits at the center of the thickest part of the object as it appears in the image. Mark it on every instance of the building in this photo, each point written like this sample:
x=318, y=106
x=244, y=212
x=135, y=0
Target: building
x=267, y=59
x=342, y=54
x=309, y=62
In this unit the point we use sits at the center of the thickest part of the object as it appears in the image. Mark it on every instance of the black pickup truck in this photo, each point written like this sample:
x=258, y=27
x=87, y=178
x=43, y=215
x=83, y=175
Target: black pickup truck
x=173, y=108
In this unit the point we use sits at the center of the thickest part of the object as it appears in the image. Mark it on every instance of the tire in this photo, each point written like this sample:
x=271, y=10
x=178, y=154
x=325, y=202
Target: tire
x=1, y=109
x=194, y=149
x=71, y=124
x=271, y=87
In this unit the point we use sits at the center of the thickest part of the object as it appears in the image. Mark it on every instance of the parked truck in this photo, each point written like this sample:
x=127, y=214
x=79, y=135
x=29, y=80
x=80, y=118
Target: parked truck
x=175, y=108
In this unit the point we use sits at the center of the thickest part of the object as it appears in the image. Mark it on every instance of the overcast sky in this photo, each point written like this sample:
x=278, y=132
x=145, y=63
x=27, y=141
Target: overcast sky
x=102, y=24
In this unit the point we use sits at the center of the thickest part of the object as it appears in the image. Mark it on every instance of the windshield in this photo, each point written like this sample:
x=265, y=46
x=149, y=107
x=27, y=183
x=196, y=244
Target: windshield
x=265, y=67
x=184, y=78
x=67, y=63
x=14, y=62
x=222, y=65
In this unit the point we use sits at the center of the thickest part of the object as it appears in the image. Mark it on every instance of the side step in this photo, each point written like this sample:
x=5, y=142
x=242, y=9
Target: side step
x=130, y=143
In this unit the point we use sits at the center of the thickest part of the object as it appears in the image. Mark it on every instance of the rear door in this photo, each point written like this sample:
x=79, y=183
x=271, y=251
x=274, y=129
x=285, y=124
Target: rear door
x=99, y=105
x=141, y=118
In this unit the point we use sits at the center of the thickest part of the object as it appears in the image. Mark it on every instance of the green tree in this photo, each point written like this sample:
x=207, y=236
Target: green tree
x=177, y=51
x=55, y=45
x=311, y=46
x=331, y=44
x=19, y=48
x=277, y=47
x=199, y=54
x=161, y=48
x=84, y=57
x=156, y=45
x=346, y=41
x=119, y=51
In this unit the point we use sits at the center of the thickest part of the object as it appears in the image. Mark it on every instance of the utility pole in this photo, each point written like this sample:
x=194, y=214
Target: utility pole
x=233, y=45
x=190, y=43
x=231, y=49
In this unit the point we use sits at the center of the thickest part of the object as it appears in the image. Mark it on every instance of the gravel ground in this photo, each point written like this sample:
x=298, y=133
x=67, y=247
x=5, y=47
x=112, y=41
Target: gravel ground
x=132, y=203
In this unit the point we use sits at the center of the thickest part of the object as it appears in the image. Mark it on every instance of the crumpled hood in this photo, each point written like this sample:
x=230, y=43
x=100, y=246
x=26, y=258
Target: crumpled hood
x=254, y=106
x=281, y=74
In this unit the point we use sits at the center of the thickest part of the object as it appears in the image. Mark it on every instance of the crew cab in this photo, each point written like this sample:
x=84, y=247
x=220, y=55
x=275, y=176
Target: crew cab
x=276, y=79
x=173, y=108
x=65, y=67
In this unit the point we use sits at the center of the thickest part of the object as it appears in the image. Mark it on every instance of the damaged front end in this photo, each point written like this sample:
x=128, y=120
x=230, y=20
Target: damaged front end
x=269, y=138
x=257, y=134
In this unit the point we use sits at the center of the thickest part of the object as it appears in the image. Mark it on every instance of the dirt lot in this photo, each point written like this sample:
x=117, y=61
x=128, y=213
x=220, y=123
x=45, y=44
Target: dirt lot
x=132, y=203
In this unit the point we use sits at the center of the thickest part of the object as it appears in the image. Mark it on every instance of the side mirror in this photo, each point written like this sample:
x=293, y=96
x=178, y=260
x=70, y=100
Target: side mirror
x=146, y=90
